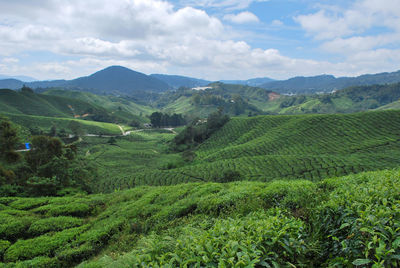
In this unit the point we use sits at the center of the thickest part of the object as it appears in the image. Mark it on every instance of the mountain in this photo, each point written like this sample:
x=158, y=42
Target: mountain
x=22, y=78
x=328, y=83
x=254, y=82
x=11, y=83
x=120, y=80
x=112, y=80
x=177, y=81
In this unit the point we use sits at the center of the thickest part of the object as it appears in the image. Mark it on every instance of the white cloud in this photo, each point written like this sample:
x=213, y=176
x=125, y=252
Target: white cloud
x=154, y=36
x=223, y=4
x=276, y=23
x=242, y=17
x=365, y=34
x=10, y=60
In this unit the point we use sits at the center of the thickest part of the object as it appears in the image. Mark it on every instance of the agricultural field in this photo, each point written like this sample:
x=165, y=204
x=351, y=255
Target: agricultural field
x=266, y=148
x=352, y=220
x=119, y=159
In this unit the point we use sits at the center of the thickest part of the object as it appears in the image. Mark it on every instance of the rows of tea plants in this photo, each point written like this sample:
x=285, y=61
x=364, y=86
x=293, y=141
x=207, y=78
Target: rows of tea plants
x=266, y=148
x=63, y=231
x=353, y=220
x=305, y=134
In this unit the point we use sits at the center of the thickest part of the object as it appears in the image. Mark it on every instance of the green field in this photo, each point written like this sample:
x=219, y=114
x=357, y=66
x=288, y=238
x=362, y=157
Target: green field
x=336, y=222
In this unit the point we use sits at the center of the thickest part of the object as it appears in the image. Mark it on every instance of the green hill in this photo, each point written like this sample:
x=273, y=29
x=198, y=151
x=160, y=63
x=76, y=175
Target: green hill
x=44, y=123
x=344, y=221
x=348, y=100
x=265, y=148
x=235, y=99
x=118, y=106
x=29, y=103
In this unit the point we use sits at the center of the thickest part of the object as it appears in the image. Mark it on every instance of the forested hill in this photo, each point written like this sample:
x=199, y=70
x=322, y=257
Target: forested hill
x=328, y=83
x=112, y=80
x=348, y=100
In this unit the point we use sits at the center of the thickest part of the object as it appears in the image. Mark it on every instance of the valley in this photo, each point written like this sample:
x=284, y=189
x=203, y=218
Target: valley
x=230, y=175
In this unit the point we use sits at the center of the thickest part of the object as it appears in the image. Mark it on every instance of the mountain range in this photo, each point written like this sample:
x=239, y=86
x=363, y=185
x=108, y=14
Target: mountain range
x=118, y=80
x=18, y=77
x=328, y=83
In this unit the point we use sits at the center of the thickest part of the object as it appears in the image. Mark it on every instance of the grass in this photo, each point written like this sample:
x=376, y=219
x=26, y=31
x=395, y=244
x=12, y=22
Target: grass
x=338, y=221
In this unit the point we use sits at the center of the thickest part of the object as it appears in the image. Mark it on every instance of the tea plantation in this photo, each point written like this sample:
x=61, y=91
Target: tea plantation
x=346, y=221
x=266, y=148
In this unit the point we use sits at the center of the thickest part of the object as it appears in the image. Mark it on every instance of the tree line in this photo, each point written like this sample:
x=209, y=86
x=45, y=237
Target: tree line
x=159, y=119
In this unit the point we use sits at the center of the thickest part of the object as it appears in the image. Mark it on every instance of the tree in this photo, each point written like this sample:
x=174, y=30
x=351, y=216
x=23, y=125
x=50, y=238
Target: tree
x=44, y=149
x=8, y=141
x=155, y=119
x=26, y=89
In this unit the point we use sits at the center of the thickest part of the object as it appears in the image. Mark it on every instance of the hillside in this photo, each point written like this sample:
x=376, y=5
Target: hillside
x=266, y=148
x=297, y=223
x=29, y=103
x=120, y=107
x=235, y=99
x=177, y=81
x=328, y=83
x=347, y=100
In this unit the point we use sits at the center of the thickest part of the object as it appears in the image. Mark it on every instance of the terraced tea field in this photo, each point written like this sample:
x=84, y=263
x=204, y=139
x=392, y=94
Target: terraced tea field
x=266, y=148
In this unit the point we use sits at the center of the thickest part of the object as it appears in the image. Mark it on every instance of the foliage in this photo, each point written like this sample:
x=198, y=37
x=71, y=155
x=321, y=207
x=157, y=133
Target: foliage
x=198, y=131
x=344, y=221
x=165, y=120
x=8, y=140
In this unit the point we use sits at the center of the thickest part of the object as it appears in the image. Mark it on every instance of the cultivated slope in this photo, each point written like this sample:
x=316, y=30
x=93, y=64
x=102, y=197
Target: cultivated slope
x=266, y=148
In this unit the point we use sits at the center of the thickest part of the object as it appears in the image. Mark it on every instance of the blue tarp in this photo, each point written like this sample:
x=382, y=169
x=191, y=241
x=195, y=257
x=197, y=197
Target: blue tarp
x=27, y=146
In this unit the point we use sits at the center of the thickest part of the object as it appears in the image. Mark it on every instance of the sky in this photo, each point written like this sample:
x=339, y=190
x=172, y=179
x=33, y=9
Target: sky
x=208, y=39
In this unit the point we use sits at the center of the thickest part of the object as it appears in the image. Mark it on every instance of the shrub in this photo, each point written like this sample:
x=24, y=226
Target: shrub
x=44, y=245
x=4, y=244
x=53, y=224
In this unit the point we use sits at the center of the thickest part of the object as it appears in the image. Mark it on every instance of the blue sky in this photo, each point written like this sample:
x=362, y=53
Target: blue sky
x=210, y=39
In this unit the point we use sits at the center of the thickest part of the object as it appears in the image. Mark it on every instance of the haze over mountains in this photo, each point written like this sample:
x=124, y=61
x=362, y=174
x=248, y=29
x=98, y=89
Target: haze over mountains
x=119, y=80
